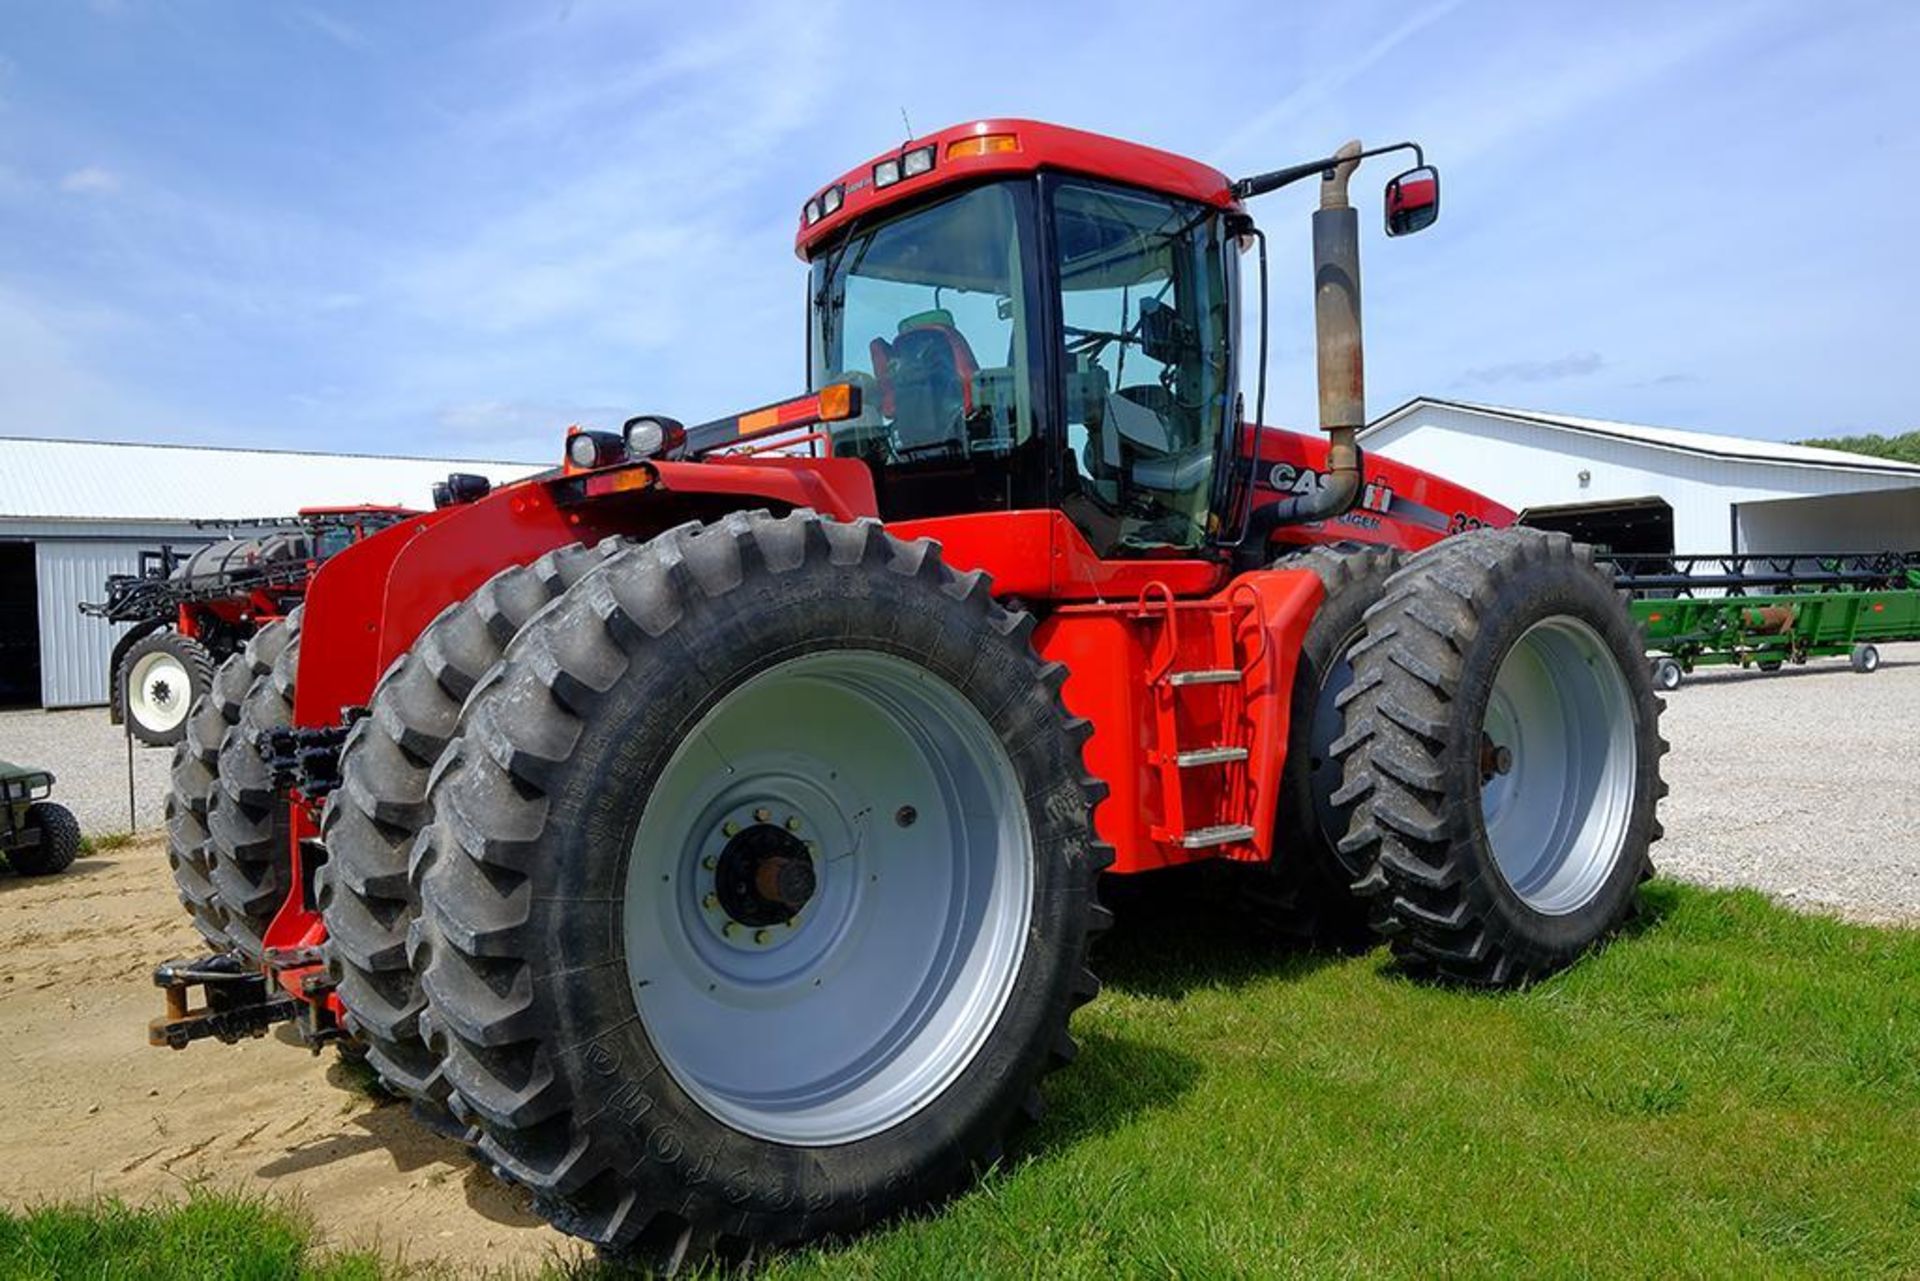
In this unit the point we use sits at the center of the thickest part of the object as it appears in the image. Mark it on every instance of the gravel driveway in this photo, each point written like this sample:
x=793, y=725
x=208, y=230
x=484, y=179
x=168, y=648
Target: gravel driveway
x=1804, y=783
x=88, y=756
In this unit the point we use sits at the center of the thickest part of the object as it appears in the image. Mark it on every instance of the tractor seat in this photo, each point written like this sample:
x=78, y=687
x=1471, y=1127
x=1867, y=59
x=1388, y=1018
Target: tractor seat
x=926, y=381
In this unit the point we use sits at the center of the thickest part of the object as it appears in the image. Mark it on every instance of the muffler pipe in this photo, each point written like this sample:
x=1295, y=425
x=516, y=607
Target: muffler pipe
x=1342, y=365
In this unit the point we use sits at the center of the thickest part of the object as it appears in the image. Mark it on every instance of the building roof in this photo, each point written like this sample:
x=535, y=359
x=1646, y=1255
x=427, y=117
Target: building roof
x=1691, y=442
x=96, y=480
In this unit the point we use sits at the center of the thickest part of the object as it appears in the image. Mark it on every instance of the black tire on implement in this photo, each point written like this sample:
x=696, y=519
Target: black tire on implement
x=196, y=767
x=520, y=943
x=247, y=818
x=59, y=841
x=193, y=659
x=373, y=818
x=1418, y=751
x=1306, y=891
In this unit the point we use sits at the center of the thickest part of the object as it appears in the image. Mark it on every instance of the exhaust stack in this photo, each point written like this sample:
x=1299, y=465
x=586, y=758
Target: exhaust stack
x=1342, y=367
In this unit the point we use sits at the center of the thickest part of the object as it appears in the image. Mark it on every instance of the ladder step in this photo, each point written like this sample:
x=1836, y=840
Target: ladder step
x=1224, y=834
x=1209, y=756
x=1217, y=676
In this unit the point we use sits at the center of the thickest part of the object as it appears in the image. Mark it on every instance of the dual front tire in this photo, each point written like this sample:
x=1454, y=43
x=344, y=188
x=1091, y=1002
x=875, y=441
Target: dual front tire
x=754, y=883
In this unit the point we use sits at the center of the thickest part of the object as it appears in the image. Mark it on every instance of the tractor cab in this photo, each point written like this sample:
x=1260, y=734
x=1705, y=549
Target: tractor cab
x=1038, y=318
x=1025, y=344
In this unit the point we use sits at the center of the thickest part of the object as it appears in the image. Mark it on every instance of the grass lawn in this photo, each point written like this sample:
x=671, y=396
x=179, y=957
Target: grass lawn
x=1731, y=1089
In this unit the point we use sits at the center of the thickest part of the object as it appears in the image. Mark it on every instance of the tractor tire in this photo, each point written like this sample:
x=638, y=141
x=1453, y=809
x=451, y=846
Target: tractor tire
x=1772, y=664
x=59, y=841
x=247, y=817
x=1502, y=758
x=711, y=732
x=1865, y=659
x=374, y=816
x=160, y=679
x=1667, y=674
x=1306, y=891
x=196, y=768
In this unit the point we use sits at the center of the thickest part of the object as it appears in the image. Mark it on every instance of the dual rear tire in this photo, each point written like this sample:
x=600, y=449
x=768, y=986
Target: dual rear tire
x=227, y=838
x=1501, y=758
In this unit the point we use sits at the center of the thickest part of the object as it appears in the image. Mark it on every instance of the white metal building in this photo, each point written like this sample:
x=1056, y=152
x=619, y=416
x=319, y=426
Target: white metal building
x=1658, y=489
x=73, y=512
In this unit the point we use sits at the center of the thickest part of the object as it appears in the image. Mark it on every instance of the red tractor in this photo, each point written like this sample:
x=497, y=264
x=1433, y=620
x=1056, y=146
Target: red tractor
x=189, y=612
x=709, y=828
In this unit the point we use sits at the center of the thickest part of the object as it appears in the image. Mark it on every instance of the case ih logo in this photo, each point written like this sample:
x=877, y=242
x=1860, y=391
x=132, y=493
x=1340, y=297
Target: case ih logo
x=1288, y=479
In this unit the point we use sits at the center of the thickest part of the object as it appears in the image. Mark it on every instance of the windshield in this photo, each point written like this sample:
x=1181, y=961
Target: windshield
x=928, y=315
x=1144, y=301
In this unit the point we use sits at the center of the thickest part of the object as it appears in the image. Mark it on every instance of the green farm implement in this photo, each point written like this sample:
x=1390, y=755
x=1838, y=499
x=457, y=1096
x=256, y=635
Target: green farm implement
x=1768, y=611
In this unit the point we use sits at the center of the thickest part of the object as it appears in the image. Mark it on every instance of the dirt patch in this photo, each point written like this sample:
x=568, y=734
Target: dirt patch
x=94, y=1109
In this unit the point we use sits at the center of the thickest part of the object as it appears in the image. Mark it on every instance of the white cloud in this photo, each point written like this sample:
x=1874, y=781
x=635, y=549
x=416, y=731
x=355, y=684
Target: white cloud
x=336, y=29
x=91, y=181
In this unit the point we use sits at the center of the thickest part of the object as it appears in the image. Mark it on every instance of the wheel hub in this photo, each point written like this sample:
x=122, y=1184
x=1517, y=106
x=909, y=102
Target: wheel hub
x=764, y=876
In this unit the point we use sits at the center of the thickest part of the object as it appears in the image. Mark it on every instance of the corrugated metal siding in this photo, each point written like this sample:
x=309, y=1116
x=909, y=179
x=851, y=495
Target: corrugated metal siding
x=74, y=649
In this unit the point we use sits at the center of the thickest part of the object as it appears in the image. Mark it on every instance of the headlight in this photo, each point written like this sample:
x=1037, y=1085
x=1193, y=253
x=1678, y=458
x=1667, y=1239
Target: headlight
x=651, y=435
x=589, y=449
x=917, y=161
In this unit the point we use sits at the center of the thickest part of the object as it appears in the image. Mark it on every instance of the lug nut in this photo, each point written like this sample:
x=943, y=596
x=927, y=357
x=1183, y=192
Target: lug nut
x=762, y=814
x=761, y=936
x=707, y=862
x=793, y=824
x=729, y=828
x=710, y=902
x=726, y=931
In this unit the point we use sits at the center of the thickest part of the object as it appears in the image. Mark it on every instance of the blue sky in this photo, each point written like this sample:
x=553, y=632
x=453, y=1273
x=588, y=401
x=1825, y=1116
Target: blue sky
x=454, y=228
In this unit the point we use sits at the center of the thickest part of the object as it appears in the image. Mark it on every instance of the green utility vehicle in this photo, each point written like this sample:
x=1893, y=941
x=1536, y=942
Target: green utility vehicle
x=38, y=837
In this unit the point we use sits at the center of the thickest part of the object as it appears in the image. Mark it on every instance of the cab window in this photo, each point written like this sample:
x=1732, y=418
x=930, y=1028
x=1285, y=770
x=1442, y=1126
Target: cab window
x=928, y=314
x=1145, y=315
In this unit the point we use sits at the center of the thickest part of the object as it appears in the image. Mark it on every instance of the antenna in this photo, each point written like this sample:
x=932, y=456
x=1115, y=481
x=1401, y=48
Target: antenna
x=908, y=123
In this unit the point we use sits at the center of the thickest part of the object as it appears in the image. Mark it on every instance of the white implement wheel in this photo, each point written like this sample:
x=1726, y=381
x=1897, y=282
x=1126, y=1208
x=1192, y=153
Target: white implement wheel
x=160, y=678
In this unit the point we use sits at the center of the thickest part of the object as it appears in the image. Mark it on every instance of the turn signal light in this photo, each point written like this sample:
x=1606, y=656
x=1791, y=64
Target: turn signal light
x=983, y=144
x=838, y=402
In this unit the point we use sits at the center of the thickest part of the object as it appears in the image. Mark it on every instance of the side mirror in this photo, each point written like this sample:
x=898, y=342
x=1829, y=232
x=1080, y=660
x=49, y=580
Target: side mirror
x=1413, y=201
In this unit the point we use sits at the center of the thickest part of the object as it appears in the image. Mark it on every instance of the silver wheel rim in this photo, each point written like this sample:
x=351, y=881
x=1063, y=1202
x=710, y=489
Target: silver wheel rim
x=159, y=691
x=1558, y=765
x=871, y=1000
